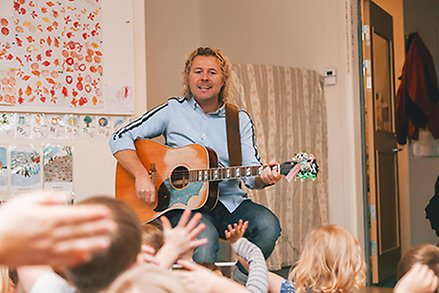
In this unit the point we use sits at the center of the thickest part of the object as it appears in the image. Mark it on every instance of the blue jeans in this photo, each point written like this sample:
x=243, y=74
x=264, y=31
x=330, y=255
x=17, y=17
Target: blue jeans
x=263, y=228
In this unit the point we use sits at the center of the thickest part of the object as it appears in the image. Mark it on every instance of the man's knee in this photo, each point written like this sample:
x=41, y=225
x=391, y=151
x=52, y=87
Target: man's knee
x=264, y=232
x=208, y=252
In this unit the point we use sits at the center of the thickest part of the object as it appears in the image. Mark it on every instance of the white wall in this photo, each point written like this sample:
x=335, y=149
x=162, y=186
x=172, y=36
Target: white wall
x=172, y=31
x=311, y=34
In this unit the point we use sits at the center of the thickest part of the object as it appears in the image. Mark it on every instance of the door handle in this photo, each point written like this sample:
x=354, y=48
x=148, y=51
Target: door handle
x=396, y=149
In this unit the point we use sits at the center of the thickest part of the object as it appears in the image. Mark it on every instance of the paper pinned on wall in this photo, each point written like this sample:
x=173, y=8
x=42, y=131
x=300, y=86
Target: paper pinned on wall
x=119, y=98
x=25, y=168
x=58, y=168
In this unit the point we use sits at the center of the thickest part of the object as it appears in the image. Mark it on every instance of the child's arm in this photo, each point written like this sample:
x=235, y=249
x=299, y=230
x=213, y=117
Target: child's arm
x=258, y=273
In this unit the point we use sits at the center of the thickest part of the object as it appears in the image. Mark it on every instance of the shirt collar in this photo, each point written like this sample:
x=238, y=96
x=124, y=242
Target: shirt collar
x=220, y=112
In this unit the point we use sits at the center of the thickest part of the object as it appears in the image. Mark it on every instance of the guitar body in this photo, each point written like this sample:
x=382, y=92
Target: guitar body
x=169, y=169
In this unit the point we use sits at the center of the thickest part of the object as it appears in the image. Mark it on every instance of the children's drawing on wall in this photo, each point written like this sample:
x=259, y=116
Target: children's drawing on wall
x=54, y=57
x=3, y=169
x=58, y=168
x=103, y=126
x=119, y=98
x=25, y=168
x=23, y=125
x=6, y=124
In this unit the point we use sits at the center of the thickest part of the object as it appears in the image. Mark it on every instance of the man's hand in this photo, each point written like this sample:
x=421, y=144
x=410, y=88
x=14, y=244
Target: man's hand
x=130, y=161
x=39, y=228
x=268, y=176
x=145, y=189
x=237, y=231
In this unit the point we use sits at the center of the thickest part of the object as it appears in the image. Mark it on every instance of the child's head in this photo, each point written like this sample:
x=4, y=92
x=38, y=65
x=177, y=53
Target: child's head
x=152, y=235
x=331, y=260
x=425, y=253
x=147, y=278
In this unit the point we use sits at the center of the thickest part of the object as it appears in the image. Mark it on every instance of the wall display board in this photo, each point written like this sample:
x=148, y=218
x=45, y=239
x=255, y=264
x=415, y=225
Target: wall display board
x=66, y=56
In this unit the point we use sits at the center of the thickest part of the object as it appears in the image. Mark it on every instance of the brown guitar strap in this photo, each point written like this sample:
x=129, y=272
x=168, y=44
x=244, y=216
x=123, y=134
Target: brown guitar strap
x=233, y=135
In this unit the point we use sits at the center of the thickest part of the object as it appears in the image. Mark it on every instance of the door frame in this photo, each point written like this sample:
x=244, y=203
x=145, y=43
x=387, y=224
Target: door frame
x=362, y=95
x=366, y=212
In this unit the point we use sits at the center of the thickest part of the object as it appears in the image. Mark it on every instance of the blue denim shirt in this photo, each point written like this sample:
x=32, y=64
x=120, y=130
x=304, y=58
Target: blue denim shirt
x=182, y=122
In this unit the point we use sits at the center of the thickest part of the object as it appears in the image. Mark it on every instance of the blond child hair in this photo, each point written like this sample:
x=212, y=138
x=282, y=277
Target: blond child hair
x=331, y=261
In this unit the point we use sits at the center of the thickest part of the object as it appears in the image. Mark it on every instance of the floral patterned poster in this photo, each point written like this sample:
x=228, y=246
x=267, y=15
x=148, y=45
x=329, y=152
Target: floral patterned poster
x=58, y=168
x=25, y=168
x=51, y=54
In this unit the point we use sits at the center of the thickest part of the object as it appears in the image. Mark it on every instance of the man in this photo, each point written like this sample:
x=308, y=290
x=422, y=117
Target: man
x=199, y=117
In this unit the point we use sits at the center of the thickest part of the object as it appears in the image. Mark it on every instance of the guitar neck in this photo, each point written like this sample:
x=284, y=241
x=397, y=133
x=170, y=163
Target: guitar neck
x=215, y=174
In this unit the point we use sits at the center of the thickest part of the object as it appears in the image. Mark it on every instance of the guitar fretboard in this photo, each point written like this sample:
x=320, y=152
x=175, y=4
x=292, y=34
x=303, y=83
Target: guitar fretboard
x=214, y=174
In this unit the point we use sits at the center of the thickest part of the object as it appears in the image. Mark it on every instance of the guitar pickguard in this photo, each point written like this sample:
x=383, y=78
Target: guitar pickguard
x=168, y=196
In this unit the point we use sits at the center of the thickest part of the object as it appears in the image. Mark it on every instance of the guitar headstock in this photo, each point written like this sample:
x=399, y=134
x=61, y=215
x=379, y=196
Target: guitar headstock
x=302, y=166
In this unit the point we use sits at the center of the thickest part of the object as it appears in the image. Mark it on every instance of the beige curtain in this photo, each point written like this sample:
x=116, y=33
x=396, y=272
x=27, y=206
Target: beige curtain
x=288, y=109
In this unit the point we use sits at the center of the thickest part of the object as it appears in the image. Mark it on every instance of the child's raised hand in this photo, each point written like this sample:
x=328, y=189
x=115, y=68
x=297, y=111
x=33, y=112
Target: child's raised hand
x=233, y=233
x=419, y=279
x=181, y=239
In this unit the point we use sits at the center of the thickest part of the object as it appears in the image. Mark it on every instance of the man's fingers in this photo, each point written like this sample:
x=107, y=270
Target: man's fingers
x=150, y=197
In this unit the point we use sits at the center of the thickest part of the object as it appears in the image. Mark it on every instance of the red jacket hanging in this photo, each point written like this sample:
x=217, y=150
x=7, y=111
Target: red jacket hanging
x=417, y=100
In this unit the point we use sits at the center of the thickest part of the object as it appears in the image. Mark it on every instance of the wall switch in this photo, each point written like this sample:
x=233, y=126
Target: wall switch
x=330, y=76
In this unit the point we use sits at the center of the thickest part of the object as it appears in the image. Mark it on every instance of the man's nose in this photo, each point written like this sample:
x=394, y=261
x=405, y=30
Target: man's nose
x=204, y=76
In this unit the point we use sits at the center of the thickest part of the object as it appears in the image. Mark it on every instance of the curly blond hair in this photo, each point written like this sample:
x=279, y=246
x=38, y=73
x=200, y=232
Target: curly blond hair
x=331, y=261
x=225, y=66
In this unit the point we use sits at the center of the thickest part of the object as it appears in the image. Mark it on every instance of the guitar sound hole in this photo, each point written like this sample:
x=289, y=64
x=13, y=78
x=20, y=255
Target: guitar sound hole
x=180, y=178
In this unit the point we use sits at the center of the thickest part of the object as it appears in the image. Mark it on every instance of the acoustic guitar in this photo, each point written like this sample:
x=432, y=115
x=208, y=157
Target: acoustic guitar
x=188, y=177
